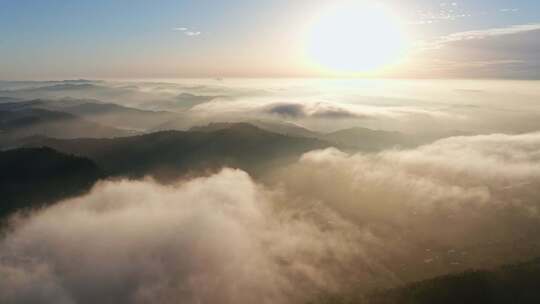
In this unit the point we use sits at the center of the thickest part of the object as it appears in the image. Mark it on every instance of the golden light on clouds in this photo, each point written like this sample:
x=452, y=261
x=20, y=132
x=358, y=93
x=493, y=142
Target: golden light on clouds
x=356, y=38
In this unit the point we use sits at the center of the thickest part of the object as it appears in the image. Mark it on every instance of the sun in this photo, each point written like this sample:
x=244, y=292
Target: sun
x=356, y=38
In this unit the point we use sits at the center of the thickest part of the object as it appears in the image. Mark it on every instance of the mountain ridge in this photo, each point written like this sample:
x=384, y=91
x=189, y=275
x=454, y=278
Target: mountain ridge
x=166, y=152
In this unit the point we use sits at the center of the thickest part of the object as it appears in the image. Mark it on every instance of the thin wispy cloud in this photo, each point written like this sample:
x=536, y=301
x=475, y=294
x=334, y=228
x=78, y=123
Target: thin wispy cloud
x=187, y=31
x=190, y=33
x=478, y=34
x=453, y=11
x=509, y=10
x=448, y=11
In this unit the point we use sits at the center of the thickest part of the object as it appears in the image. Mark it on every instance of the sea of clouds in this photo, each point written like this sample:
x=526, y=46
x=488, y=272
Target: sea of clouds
x=409, y=106
x=330, y=223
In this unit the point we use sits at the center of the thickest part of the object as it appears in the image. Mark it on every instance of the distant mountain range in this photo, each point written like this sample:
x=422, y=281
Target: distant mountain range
x=90, y=118
x=75, y=89
x=117, y=93
x=109, y=114
x=23, y=122
x=110, y=135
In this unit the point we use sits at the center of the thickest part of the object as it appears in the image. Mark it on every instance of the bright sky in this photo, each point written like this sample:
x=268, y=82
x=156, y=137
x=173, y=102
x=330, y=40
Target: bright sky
x=51, y=39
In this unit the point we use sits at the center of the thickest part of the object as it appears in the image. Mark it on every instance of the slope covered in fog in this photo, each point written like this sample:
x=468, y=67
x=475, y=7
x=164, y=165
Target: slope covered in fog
x=19, y=123
x=109, y=114
x=119, y=116
x=371, y=140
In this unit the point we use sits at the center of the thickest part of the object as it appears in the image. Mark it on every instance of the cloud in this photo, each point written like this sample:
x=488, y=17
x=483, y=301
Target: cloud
x=457, y=66
x=315, y=110
x=509, y=10
x=447, y=11
x=140, y=242
x=473, y=195
x=332, y=222
x=336, y=111
x=327, y=116
x=191, y=33
x=509, y=52
x=480, y=34
x=287, y=109
x=187, y=31
x=452, y=11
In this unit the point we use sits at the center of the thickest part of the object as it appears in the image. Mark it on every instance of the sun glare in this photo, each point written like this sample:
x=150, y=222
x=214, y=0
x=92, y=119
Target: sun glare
x=356, y=38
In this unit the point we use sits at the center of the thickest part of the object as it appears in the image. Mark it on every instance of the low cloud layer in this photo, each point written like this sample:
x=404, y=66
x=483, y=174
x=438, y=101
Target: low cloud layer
x=210, y=240
x=316, y=110
x=329, y=105
x=332, y=222
x=462, y=201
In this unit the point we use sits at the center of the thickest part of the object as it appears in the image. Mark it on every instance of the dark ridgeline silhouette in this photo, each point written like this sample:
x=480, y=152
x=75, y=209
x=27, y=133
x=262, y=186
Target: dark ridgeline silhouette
x=36, y=177
x=517, y=283
x=47, y=170
x=170, y=154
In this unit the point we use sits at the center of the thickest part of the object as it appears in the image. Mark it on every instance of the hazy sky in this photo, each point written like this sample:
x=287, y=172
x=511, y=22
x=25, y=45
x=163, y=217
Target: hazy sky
x=144, y=39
